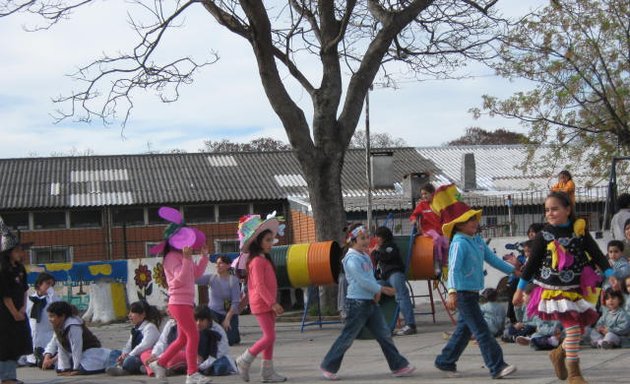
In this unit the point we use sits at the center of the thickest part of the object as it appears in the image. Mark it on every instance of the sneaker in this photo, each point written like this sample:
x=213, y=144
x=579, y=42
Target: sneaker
x=451, y=374
x=197, y=378
x=158, y=370
x=506, y=371
x=522, y=340
x=607, y=345
x=404, y=372
x=329, y=375
x=116, y=370
x=407, y=330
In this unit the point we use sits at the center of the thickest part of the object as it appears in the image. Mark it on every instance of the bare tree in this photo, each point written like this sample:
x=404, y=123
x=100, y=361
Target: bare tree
x=377, y=140
x=262, y=144
x=351, y=42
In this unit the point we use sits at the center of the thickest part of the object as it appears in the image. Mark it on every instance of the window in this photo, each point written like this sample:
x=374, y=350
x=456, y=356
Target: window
x=85, y=219
x=129, y=216
x=232, y=212
x=199, y=214
x=15, y=220
x=154, y=218
x=224, y=246
x=51, y=254
x=263, y=209
x=49, y=220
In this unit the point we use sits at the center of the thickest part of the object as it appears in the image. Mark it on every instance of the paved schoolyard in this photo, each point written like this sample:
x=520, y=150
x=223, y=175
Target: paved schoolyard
x=298, y=355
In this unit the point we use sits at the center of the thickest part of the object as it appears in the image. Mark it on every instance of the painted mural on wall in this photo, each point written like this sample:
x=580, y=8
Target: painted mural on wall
x=74, y=279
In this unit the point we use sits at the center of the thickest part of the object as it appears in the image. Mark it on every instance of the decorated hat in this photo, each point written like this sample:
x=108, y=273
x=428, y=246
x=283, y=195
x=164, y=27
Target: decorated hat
x=446, y=203
x=8, y=239
x=250, y=226
x=177, y=234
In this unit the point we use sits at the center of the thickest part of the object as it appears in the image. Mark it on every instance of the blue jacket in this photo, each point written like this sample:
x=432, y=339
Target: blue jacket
x=360, y=276
x=466, y=256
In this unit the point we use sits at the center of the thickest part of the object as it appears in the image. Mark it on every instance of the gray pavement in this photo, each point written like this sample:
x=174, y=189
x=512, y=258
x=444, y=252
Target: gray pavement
x=297, y=355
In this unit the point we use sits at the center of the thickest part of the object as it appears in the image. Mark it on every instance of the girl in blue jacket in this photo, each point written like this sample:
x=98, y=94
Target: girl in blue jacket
x=362, y=309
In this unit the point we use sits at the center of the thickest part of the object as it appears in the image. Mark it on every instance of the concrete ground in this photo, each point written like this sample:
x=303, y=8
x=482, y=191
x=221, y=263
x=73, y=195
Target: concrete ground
x=298, y=354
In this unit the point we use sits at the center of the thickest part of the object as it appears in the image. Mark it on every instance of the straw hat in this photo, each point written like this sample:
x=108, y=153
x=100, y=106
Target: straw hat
x=446, y=203
x=250, y=226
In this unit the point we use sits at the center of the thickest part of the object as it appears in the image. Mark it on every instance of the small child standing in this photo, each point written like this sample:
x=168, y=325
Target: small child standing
x=181, y=272
x=41, y=329
x=493, y=312
x=362, y=309
x=613, y=324
x=257, y=238
x=145, y=333
x=466, y=257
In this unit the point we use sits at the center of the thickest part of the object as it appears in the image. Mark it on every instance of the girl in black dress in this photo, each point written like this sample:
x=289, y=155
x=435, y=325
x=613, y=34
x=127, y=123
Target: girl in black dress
x=13, y=290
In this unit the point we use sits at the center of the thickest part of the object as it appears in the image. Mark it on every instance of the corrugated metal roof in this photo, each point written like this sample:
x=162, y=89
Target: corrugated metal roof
x=153, y=179
x=497, y=167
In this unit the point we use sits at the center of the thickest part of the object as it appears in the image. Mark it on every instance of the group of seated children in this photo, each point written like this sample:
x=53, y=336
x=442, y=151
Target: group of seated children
x=63, y=342
x=146, y=344
x=610, y=331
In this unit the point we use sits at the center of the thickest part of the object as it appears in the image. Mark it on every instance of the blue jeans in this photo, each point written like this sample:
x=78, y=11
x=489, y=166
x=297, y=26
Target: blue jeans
x=8, y=370
x=234, y=337
x=132, y=364
x=362, y=313
x=399, y=282
x=470, y=322
x=220, y=367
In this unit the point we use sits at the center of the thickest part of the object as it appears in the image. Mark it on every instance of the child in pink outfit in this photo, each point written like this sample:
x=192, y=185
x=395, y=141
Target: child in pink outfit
x=181, y=272
x=257, y=238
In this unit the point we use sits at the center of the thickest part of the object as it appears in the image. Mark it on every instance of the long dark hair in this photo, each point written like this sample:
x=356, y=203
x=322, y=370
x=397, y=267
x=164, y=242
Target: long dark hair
x=565, y=201
x=62, y=308
x=44, y=277
x=255, y=248
x=150, y=312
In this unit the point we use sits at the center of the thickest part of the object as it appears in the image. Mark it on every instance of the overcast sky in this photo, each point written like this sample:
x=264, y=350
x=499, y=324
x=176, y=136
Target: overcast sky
x=225, y=101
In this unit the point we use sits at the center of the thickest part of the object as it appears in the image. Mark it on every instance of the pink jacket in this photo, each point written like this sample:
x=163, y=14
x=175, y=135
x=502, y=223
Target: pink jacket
x=181, y=274
x=261, y=284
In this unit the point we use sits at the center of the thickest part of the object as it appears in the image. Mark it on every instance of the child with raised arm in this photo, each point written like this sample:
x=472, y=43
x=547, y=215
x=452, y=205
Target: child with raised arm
x=467, y=254
x=362, y=309
x=561, y=268
x=181, y=272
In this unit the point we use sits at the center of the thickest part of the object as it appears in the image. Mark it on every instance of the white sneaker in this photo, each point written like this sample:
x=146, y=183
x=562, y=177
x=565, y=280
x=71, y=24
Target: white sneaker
x=506, y=371
x=197, y=378
x=158, y=370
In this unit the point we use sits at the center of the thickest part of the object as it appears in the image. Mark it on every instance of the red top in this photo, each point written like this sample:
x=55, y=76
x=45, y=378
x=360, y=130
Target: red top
x=428, y=219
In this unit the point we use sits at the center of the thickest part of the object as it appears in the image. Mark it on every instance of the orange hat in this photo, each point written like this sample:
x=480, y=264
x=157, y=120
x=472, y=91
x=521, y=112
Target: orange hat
x=446, y=203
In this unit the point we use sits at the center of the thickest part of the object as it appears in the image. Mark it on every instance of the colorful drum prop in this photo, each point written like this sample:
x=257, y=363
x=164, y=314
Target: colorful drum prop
x=422, y=264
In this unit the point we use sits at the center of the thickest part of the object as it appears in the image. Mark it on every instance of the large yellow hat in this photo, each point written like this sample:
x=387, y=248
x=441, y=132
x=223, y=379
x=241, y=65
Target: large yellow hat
x=446, y=203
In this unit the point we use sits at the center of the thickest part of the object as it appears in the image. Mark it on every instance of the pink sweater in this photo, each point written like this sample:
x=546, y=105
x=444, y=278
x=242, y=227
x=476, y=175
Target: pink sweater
x=261, y=284
x=181, y=274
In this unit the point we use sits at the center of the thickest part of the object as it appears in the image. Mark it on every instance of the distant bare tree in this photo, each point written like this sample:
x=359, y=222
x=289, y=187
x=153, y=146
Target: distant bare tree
x=377, y=140
x=262, y=144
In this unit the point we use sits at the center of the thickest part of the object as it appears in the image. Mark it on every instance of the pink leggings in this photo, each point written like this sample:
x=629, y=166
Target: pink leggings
x=267, y=322
x=187, y=336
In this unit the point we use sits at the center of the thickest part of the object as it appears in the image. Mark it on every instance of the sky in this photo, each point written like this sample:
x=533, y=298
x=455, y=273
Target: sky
x=225, y=101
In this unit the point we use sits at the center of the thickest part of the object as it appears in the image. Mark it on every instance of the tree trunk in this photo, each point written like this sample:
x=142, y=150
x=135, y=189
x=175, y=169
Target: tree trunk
x=323, y=175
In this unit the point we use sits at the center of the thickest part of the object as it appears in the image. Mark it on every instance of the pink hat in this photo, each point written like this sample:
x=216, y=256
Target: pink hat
x=177, y=234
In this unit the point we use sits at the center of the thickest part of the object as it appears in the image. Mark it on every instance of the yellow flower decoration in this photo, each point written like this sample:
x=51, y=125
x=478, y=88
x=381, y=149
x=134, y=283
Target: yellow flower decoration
x=579, y=227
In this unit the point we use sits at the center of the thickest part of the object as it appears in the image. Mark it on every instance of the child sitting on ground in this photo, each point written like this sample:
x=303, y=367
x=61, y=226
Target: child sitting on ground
x=523, y=327
x=168, y=335
x=493, y=312
x=613, y=324
x=214, y=348
x=619, y=264
x=146, y=320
